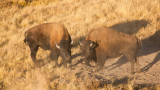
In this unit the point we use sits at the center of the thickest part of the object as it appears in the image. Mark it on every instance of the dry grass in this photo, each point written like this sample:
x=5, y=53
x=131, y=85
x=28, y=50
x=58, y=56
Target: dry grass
x=138, y=17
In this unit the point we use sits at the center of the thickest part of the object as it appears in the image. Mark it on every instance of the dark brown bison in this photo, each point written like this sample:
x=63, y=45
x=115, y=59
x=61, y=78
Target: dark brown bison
x=103, y=43
x=50, y=36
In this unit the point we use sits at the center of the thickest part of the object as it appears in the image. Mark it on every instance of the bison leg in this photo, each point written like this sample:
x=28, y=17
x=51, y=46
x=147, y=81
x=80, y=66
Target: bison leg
x=132, y=65
x=137, y=62
x=65, y=63
x=100, y=64
x=87, y=62
x=132, y=61
x=54, y=55
x=34, y=49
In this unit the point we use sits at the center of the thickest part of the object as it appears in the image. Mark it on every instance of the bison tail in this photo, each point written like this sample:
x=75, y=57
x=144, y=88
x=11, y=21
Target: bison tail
x=139, y=42
x=70, y=40
x=25, y=38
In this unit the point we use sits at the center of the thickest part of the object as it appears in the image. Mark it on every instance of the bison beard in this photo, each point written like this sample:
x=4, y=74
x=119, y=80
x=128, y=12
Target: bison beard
x=65, y=51
x=88, y=51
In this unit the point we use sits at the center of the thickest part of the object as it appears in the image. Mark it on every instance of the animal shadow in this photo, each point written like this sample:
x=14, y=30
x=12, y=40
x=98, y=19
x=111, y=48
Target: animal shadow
x=78, y=62
x=42, y=62
x=122, y=80
x=119, y=62
x=105, y=82
x=75, y=55
x=130, y=27
x=149, y=45
x=147, y=67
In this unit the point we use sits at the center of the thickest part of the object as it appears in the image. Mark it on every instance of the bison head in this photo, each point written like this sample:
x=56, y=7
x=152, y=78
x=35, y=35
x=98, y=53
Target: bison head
x=88, y=50
x=65, y=49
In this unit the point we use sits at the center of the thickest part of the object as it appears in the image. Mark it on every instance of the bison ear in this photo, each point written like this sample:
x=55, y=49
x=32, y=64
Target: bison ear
x=57, y=45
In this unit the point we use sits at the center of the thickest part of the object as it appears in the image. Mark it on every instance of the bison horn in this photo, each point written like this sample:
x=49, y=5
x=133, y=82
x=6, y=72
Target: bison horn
x=72, y=42
x=80, y=43
x=57, y=45
x=91, y=44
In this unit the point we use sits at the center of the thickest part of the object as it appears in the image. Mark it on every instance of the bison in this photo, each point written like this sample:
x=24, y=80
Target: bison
x=49, y=36
x=103, y=43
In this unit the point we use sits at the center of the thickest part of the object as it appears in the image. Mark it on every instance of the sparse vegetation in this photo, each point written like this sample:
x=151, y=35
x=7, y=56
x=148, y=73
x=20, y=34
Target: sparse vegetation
x=140, y=18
